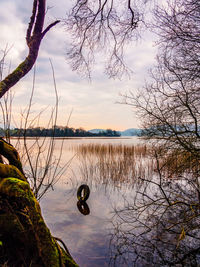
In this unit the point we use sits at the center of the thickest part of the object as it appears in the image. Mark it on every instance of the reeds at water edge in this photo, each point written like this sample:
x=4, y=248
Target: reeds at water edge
x=119, y=164
x=114, y=163
x=113, y=149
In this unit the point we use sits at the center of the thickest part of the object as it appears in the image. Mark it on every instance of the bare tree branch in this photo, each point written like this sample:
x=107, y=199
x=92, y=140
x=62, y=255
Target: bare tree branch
x=34, y=37
x=102, y=26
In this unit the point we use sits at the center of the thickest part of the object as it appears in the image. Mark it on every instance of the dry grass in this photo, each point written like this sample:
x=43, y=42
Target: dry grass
x=177, y=163
x=109, y=163
x=123, y=164
x=110, y=149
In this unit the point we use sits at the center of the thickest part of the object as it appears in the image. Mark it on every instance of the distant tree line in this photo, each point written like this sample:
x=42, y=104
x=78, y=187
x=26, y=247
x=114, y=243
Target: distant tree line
x=57, y=131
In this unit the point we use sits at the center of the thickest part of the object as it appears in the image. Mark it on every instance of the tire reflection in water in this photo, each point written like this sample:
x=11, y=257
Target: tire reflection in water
x=83, y=207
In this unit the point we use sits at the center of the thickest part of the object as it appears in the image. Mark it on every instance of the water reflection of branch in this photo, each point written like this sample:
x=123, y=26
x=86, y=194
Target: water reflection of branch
x=159, y=228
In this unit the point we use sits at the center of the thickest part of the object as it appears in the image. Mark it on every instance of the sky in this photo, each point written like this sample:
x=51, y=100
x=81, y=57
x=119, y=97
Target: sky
x=92, y=104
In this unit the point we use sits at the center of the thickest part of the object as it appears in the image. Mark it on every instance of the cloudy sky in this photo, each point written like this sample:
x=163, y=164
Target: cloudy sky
x=95, y=103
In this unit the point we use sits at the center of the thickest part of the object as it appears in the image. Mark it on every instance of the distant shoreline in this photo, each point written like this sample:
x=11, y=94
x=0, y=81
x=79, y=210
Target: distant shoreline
x=74, y=137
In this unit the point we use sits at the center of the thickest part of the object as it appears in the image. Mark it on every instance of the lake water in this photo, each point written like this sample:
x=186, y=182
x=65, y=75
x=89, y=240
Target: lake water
x=87, y=237
x=137, y=216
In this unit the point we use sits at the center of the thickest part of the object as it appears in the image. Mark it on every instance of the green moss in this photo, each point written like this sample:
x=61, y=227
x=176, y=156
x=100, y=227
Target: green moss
x=8, y=151
x=10, y=171
x=2, y=86
x=14, y=187
x=29, y=222
x=24, y=234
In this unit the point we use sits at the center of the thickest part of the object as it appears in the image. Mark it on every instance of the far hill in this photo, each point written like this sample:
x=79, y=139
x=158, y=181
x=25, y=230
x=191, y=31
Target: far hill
x=131, y=132
x=127, y=132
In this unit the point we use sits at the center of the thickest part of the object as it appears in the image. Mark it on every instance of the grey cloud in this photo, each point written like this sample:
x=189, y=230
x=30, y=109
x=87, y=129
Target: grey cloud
x=90, y=100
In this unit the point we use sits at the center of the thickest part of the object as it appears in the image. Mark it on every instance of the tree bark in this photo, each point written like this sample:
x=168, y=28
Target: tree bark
x=34, y=36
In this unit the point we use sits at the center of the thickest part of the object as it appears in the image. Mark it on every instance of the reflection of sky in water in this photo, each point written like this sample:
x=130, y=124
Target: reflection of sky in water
x=87, y=237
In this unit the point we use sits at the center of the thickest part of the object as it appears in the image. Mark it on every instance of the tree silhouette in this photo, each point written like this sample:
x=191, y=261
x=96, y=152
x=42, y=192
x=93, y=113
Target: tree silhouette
x=25, y=239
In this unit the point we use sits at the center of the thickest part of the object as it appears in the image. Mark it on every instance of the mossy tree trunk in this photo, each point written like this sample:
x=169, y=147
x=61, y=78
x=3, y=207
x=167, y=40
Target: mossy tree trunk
x=25, y=239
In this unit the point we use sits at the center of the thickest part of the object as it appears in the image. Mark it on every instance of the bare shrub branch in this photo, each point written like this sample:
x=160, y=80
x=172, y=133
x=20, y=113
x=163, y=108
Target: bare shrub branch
x=107, y=26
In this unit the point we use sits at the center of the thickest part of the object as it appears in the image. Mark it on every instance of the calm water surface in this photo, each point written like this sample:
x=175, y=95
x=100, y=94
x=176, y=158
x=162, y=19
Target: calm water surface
x=138, y=216
x=87, y=237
